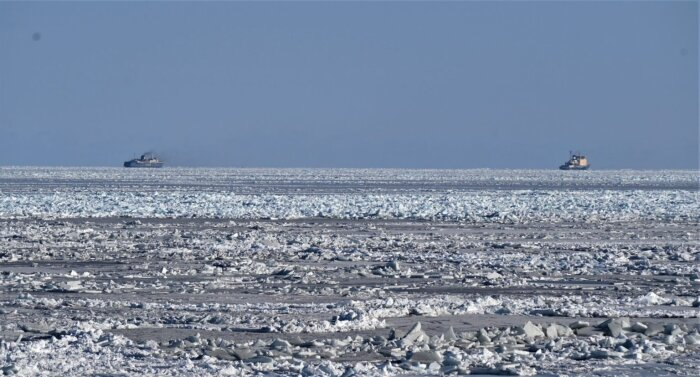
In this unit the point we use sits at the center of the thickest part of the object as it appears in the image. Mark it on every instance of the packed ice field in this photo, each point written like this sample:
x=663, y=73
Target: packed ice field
x=448, y=195
x=348, y=272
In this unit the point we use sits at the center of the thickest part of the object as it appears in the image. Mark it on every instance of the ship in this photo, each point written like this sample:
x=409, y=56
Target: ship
x=147, y=160
x=576, y=161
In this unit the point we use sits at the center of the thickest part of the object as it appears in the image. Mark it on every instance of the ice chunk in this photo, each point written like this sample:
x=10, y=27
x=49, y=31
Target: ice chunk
x=413, y=335
x=650, y=298
x=532, y=331
x=426, y=357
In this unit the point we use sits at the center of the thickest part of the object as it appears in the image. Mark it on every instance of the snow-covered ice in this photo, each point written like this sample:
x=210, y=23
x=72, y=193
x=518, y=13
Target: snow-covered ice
x=343, y=272
x=488, y=195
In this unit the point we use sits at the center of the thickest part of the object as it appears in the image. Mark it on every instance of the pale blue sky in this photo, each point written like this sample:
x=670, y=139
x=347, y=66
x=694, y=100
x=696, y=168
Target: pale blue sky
x=390, y=84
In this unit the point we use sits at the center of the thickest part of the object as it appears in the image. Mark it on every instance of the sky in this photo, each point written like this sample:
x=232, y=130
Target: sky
x=350, y=84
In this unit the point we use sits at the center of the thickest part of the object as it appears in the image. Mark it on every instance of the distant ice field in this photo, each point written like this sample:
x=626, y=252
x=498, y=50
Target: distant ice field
x=452, y=195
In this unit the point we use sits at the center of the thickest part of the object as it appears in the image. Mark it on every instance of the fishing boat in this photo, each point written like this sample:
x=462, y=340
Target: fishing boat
x=147, y=160
x=576, y=161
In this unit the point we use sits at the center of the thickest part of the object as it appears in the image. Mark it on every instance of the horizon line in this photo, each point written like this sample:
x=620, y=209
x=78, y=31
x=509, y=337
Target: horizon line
x=335, y=168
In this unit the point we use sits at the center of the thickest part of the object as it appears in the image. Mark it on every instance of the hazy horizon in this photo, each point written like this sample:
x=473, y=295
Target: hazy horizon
x=447, y=85
x=233, y=167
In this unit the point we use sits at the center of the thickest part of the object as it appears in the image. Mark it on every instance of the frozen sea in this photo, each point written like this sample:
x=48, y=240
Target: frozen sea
x=452, y=195
x=342, y=272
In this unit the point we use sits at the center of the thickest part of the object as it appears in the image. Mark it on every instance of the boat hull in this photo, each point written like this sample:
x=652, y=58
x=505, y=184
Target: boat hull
x=567, y=167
